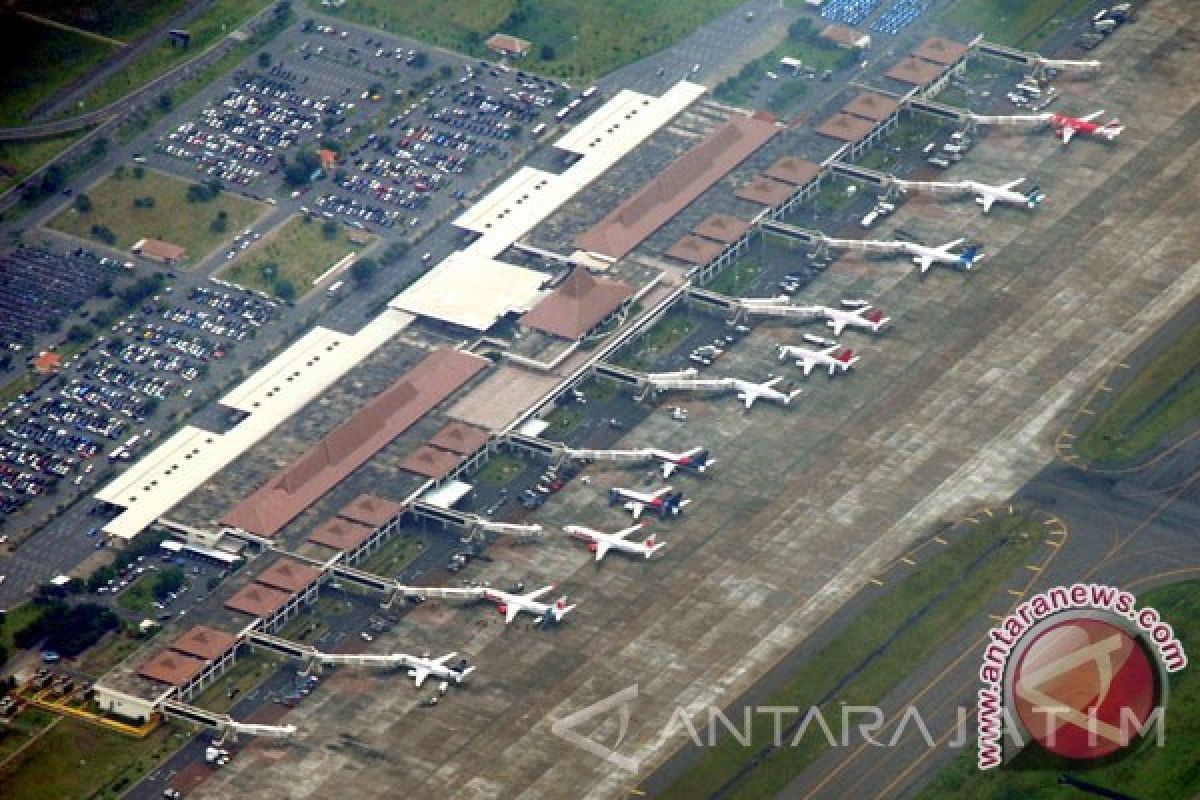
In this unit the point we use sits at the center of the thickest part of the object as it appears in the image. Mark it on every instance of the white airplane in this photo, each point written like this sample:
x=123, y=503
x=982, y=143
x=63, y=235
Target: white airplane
x=510, y=605
x=827, y=356
x=928, y=256
x=666, y=501
x=855, y=315
x=987, y=195
x=421, y=668
x=600, y=543
x=748, y=391
x=695, y=459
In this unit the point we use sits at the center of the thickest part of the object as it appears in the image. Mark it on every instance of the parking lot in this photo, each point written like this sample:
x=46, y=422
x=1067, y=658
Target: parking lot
x=38, y=288
x=108, y=400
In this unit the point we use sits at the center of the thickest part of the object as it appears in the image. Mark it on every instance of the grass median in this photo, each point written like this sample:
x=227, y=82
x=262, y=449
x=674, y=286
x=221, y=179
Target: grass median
x=1012, y=22
x=288, y=261
x=1160, y=400
x=1171, y=772
x=892, y=637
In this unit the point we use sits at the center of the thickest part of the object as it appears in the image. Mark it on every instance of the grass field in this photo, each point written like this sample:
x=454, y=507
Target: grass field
x=1163, y=774
x=251, y=668
x=1161, y=399
x=564, y=418
x=19, y=159
x=395, y=555
x=733, y=280
x=75, y=759
x=21, y=729
x=299, y=252
x=500, y=469
x=662, y=338
x=14, y=619
x=173, y=218
x=588, y=39
x=893, y=635
x=36, y=61
x=1012, y=22
x=107, y=653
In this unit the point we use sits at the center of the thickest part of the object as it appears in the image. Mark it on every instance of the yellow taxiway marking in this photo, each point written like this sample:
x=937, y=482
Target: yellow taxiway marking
x=876, y=581
x=1053, y=543
x=1016, y=592
x=908, y=561
x=1033, y=568
x=995, y=618
x=1088, y=411
x=939, y=540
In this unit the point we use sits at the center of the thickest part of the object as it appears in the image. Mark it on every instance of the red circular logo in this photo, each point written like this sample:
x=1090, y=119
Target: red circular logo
x=1084, y=688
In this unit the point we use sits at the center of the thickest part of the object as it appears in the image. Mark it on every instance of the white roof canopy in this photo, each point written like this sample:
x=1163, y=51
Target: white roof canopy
x=472, y=291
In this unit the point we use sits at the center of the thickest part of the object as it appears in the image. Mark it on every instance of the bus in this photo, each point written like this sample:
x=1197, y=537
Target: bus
x=588, y=92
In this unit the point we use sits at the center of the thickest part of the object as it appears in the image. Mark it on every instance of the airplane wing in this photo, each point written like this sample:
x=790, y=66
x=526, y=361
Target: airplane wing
x=837, y=324
x=1014, y=184
x=748, y=398
x=668, y=467
x=636, y=507
x=511, y=610
x=1067, y=132
x=926, y=262
x=624, y=534
x=1092, y=116
x=946, y=248
x=808, y=364
x=602, y=547
x=444, y=659
x=987, y=200
x=419, y=674
x=537, y=593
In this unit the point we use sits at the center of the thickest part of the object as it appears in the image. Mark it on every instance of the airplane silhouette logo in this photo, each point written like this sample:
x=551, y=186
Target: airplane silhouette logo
x=567, y=727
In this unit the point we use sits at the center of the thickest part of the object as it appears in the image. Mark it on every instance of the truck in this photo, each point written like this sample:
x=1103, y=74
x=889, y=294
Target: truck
x=870, y=218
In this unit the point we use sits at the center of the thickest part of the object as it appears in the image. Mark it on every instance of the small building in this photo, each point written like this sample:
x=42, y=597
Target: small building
x=505, y=44
x=847, y=38
x=159, y=251
x=578, y=306
x=47, y=363
x=328, y=158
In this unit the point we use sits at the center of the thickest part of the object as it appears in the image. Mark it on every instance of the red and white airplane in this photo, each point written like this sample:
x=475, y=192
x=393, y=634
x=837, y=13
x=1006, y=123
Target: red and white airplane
x=421, y=668
x=827, y=356
x=666, y=501
x=600, y=543
x=854, y=315
x=1065, y=127
x=695, y=459
x=510, y=605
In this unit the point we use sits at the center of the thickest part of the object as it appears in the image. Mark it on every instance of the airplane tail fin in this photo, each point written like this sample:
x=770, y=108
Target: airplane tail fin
x=846, y=357
x=673, y=504
x=970, y=256
x=461, y=674
x=1035, y=196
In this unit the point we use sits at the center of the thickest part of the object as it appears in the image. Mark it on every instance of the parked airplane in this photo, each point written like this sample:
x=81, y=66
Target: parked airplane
x=695, y=459
x=928, y=256
x=665, y=501
x=748, y=391
x=827, y=356
x=987, y=195
x=600, y=543
x=510, y=605
x=1066, y=127
x=855, y=315
x=422, y=668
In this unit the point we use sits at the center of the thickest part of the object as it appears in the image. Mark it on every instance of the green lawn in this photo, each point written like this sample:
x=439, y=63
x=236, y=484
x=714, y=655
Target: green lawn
x=500, y=469
x=172, y=218
x=19, y=159
x=75, y=759
x=252, y=668
x=563, y=419
x=734, y=279
x=396, y=554
x=138, y=597
x=588, y=39
x=14, y=619
x=1168, y=773
x=106, y=654
x=1161, y=399
x=20, y=729
x=893, y=635
x=124, y=20
x=1010, y=22
x=36, y=61
x=662, y=338
x=298, y=253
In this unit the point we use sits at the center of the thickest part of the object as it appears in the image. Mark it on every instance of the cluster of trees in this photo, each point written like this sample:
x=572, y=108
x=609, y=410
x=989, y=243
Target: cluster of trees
x=220, y=222
x=394, y=252
x=363, y=271
x=67, y=629
x=83, y=203
x=303, y=165
x=167, y=581
x=203, y=192
x=129, y=298
x=143, y=202
x=104, y=234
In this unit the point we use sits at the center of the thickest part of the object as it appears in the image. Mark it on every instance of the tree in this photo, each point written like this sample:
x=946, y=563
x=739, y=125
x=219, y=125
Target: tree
x=285, y=289
x=79, y=334
x=394, y=252
x=446, y=72
x=302, y=167
x=264, y=60
x=548, y=53
x=220, y=222
x=101, y=577
x=364, y=271
x=53, y=179
x=169, y=580
x=329, y=229
x=139, y=172
x=104, y=234
x=420, y=60
x=268, y=271
x=83, y=203
x=165, y=102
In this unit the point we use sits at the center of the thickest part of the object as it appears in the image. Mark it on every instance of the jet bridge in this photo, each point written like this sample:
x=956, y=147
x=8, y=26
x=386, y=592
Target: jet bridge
x=1035, y=61
x=471, y=522
x=223, y=723
x=311, y=654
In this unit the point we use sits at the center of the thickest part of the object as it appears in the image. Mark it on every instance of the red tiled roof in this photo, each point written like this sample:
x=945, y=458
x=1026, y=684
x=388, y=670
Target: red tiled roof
x=348, y=446
x=940, y=50
x=846, y=127
x=721, y=228
x=795, y=171
x=695, y=250
x=431, y=462
x=915, y=71
x=48, y=362
x=458, y=437
x=840, y=34
x=506, y=43
x=204, y=642
x=158, y=249
x=765, y=190
x=289, y=574
x=579, y=304
x=341, y=534
x=871, y=105
x=257, y=600
x=370, y=510
x=171, y=668
x=675, y=187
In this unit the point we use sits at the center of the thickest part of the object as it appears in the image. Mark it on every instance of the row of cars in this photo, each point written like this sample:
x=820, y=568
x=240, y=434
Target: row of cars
x=38, y=287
